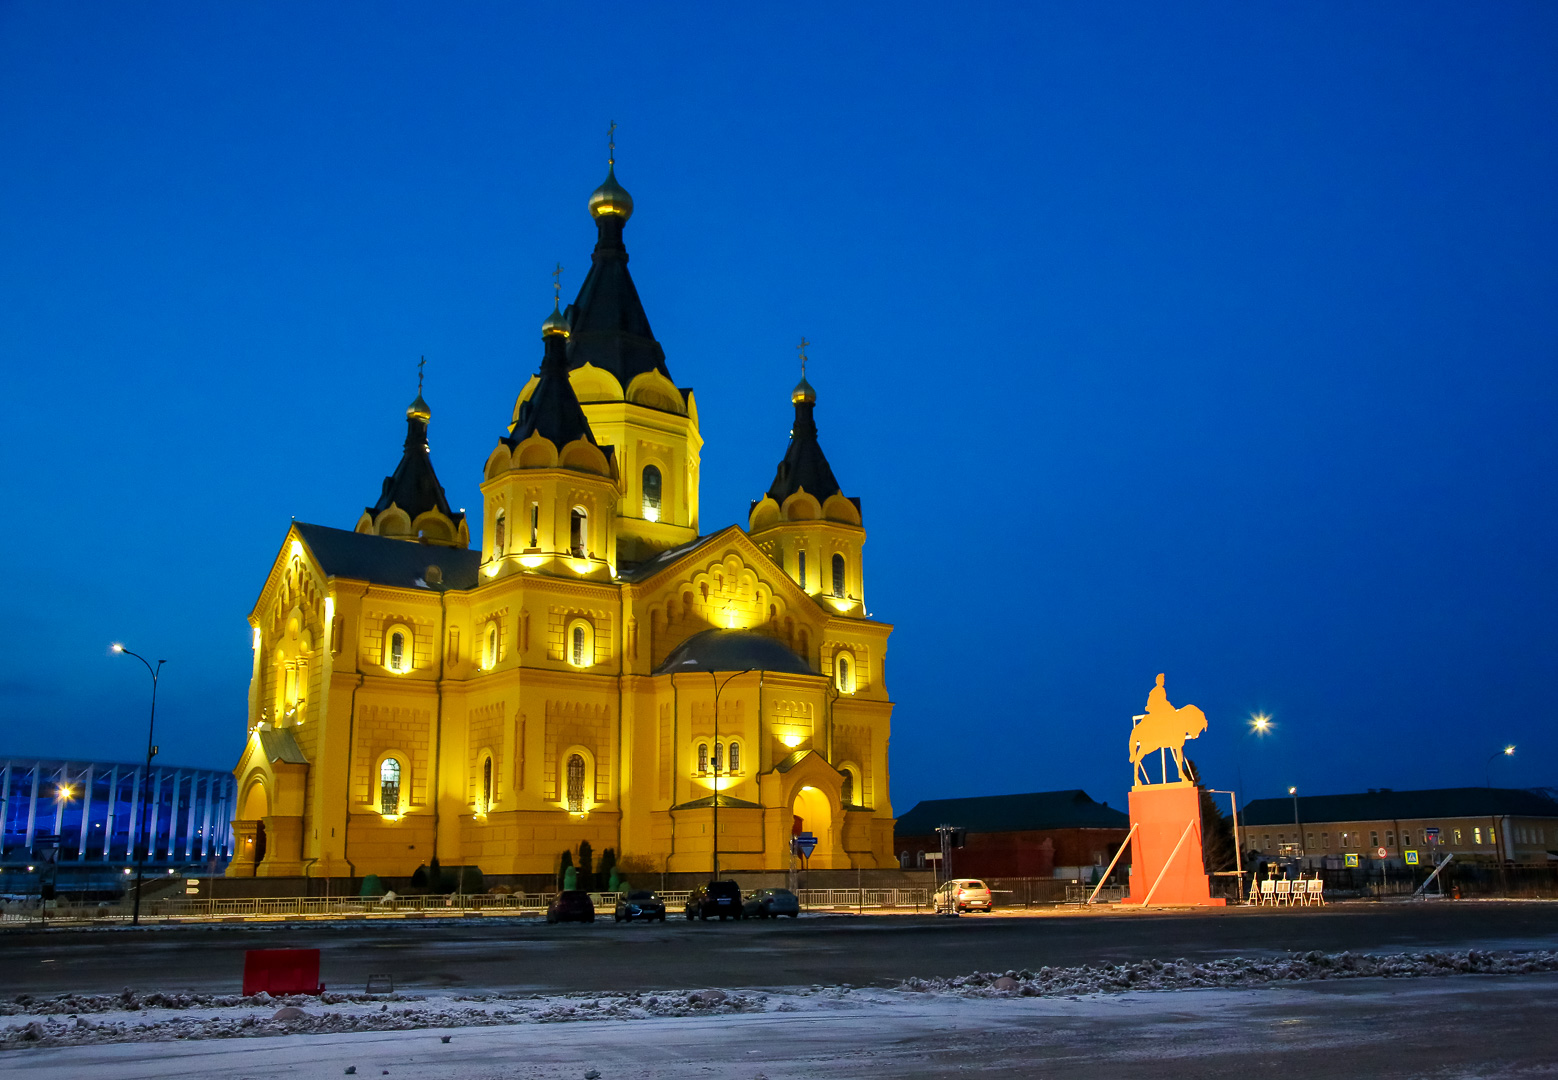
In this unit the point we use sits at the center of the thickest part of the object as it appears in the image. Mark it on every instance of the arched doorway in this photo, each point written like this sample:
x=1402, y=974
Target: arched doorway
x=813, y=813
x=256, y=808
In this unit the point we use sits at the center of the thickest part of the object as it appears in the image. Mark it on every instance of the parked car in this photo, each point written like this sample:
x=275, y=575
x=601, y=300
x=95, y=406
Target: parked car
x=640, y=904
x=963, y=894
x=572, y=905
x=722, y=898
x=770, y=904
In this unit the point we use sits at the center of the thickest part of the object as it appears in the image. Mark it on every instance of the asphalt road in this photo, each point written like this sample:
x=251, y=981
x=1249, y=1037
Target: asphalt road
x=525, y=955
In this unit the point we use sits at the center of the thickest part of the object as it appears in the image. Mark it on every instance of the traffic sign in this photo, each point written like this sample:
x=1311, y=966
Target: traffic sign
x=1411, y=857
x=1382, y=853
x=1431, y=835
x=1350, y=860
x=803, y=843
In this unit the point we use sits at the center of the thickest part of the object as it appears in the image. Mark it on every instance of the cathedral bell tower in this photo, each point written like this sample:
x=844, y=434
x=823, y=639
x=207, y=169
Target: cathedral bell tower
x=550, y=491
x=412, y=504
x=806, y=524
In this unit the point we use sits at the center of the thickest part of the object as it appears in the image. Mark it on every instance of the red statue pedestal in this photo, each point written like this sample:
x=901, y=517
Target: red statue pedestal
x=1167, y=869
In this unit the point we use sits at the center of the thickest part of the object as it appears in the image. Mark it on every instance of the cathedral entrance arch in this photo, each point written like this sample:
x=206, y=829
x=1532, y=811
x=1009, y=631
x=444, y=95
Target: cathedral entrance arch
x=814, y=814
x=250, y=826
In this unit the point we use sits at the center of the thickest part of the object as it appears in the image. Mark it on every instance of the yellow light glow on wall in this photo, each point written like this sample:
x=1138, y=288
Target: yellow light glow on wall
x=530, y=562
x=792, y=741
x=329, y=610
x=256, y=637
x=297, y=549
x=491, y=569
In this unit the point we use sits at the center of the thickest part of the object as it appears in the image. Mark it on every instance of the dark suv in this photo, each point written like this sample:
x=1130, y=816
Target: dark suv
x=722, y=898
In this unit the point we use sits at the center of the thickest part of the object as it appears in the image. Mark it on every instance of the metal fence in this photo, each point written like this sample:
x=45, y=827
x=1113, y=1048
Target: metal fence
x=357, y=907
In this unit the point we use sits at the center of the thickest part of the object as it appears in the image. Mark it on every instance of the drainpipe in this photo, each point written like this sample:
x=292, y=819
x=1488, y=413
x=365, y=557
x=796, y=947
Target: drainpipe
x=438, y=718
x=676, y=753
x=351, y=750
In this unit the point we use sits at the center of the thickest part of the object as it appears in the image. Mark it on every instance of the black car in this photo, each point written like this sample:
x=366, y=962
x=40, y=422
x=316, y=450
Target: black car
x=571, y=906
x=641, y=904
x=770, y=904
x=722, y=898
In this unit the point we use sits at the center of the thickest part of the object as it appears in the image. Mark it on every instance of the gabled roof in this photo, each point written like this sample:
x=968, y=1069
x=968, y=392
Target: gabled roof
x=1388, y=805
x=724, y=801
x=552, y=410
x=414, y=486
x=1034, y=811
x=383, y=561
x=607, y=319
x=280, y=746
x=647, y=569
x=733, y=650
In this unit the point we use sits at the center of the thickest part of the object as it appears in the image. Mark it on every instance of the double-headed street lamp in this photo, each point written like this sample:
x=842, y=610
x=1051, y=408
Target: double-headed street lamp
x=151, y=751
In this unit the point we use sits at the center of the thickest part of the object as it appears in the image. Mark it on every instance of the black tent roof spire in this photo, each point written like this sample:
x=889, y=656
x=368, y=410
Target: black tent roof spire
x=804, y=464
x=414, y=486
x=553, y=409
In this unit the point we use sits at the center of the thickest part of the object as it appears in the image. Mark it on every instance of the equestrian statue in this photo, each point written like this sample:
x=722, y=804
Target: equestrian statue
x=1164, y=727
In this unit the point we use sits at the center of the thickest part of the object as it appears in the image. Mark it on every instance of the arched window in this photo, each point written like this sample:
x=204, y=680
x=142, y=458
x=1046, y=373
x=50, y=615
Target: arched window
x=838, y=575
x=389, y=787
x=578, y=531
x=703, y=757
x=578, y=646
x=652, y=492
x=489, y=656
x=397, y=651
x=576, y=783
x=535, y=524
x=719, y=758
x=800, y=568
x=844, y=673
x=735, y=757
x=498, y=533
x=847, y=795
x=486, y=784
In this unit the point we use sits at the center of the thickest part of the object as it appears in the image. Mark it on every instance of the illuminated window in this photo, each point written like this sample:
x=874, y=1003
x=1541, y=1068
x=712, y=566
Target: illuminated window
x=1457, y=836
x=398, y=660
x=847, y=794
x=581, y=643
x=800, y=568
x=719, y=758
x=389, y=787
x=498, y=533
x=838, y=575
x=844, y=673
x=578, y=646
x=703, y=757
x=578, y=531
x=1476, y=835
x=735, y=757
x=652, y=487
x=489, y=657
x=576, y=783
x=535, y=524
x=1492, y=839
x=486, y=784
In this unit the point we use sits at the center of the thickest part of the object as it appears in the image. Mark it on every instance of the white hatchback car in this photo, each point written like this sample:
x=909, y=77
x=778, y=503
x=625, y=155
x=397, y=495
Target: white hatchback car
x=963, y=894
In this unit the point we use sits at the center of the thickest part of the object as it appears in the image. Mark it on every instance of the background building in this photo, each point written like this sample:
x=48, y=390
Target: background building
x=1040, y=834
x=601, y=670
x=93, y=811
x=1473, y=823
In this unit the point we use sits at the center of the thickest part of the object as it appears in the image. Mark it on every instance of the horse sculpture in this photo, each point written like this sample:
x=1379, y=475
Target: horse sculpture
x=1165, y=728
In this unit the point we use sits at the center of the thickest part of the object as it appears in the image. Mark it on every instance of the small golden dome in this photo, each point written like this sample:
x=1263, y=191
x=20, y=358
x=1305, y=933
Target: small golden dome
x=418, y=410
x=803, y=392
x=555, y=323
x=611, y=198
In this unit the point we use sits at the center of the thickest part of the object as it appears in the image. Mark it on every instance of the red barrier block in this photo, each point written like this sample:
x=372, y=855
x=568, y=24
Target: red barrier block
x=281, y=971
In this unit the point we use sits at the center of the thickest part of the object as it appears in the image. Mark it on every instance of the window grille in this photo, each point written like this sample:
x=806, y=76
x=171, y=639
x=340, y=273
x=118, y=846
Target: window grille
x=652, y=486
x=389, y=787
x=838, y=575
x=576, y=784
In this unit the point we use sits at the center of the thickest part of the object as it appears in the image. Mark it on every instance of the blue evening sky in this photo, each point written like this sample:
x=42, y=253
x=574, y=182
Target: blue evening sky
x=1212, y=339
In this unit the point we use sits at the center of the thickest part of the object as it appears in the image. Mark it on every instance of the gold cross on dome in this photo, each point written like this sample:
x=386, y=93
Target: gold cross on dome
x=420, y=364
x=557, y=283
x=611, y=144
x=801, y=348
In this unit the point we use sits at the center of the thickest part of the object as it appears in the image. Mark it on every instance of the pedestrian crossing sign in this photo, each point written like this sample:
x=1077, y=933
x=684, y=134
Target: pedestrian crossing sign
x=1350, y=860
x=1411, y=858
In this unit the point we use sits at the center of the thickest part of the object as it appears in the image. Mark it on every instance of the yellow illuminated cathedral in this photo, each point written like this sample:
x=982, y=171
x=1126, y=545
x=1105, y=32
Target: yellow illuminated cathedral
x=602, y=669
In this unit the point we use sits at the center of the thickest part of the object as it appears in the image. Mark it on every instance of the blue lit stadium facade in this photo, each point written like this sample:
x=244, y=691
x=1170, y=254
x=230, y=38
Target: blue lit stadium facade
x=93, y=812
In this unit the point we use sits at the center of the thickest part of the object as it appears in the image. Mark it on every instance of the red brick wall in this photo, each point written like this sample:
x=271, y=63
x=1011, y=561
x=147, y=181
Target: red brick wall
x=1020, y=854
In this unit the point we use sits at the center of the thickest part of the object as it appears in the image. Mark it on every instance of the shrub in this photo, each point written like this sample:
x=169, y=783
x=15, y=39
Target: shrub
x=371, y=886
x=586, y=878
x=471, y=880
x=570, y=878
x=563, y=867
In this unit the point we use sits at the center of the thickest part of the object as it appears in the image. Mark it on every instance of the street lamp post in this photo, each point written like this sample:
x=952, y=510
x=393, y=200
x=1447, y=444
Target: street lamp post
x=1260, y=724
x=151, y=751
x=719, y=688
x=1298, y=830
x=1508, y=751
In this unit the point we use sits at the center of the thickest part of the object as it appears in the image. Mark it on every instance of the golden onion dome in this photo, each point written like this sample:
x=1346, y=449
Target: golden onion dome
x=803, y=393
x=555, y=323
x=611, y=198
x=418, y=410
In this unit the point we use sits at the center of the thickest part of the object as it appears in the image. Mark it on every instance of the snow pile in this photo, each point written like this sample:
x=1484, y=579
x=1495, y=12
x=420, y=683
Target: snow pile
x=1234, y=973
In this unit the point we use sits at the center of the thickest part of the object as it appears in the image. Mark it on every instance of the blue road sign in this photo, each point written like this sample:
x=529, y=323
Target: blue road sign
x=804, y=843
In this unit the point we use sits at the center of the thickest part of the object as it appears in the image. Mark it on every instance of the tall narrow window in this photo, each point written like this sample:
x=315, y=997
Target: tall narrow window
x=578, y=531
x=719, y=758
x=498, y=533
x=735, y=757
x=486, y=784
x=703, y=757
x=397, y=651
x=535, y=524
x=389, y=787
x=489, y=658
x=843, y=674
x=847, y=794
x=838, y=575
x=576, y=784
x=800, y=568
x=578, y=646
x=651, y=493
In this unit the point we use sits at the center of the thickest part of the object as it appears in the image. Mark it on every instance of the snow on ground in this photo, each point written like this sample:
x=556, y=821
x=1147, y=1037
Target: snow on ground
x=91, y=1019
